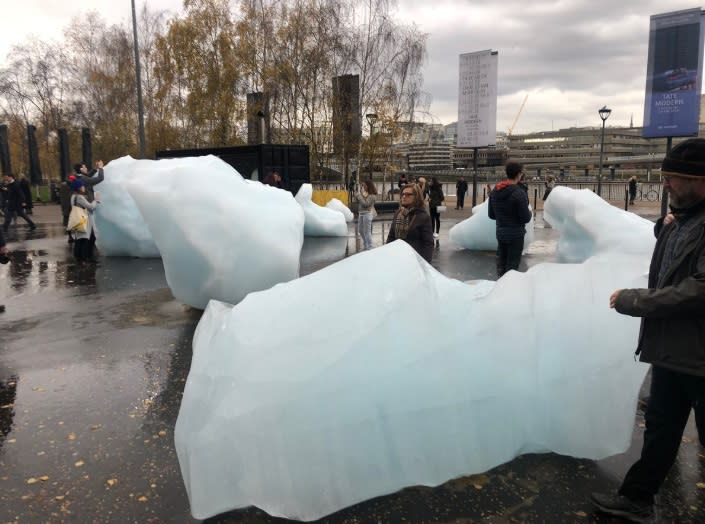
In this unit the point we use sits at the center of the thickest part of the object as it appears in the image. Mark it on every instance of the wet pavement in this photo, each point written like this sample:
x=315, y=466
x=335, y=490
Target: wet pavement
x=93, y=362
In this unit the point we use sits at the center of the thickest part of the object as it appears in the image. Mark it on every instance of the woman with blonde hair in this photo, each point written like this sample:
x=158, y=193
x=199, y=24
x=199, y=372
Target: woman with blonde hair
x=366, y=196
x=412, y=223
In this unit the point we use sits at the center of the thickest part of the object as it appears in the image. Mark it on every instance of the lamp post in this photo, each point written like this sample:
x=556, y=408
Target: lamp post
x=604, y=115
x=371, y=120
x=138, y=80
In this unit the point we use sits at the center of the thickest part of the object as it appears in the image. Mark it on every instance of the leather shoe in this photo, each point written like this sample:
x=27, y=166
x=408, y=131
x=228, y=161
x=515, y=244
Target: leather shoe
x=621, y=506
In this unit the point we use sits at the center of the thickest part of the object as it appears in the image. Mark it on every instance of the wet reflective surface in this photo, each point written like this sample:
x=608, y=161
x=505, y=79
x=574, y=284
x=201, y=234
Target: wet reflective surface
x=93, y=361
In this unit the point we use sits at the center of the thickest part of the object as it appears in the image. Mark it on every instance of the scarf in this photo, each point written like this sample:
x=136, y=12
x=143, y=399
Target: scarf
x=401, y=223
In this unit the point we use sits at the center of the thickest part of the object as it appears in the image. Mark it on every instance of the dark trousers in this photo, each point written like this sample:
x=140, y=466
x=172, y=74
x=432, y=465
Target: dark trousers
x=673, y=395
x=509, y=255
x=460, y=200
x=435, y=219
x=82, y=249
x=9, y=214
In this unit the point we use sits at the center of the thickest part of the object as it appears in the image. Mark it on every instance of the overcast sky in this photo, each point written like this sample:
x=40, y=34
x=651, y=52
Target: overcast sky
x=570, y=56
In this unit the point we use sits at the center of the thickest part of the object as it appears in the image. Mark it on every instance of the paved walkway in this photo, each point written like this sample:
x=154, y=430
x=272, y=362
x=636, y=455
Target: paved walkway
x=93, y=362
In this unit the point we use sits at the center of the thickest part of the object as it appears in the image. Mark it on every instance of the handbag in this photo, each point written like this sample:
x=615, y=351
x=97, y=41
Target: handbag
x=78, y=220
x=441, y=209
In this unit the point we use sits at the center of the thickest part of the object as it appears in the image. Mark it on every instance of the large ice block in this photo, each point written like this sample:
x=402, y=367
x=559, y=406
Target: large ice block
x=120, y=228
x=220, y=236
x=378, y=372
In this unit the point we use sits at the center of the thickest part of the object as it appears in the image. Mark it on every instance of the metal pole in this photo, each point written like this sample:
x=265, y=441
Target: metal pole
x=602, y=148
x=664, y=193
x=474, y=177
x=140, y=107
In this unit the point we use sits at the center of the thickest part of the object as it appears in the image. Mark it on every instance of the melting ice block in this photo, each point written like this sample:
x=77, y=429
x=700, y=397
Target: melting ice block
x=320, y=221
x=300, y=410
x=478, y=232
x=589, y=225
x=220, y=236
x=121, y=230
x=337, y=205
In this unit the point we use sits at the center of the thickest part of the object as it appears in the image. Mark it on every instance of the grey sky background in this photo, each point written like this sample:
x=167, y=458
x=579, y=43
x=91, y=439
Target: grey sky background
x=570, y=56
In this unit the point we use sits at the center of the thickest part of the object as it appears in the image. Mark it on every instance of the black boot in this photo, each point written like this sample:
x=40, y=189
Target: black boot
x=621, y=506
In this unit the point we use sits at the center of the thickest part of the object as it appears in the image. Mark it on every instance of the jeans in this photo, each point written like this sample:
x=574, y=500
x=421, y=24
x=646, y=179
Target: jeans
x=672, y=397
x=460, y=200
x=364, y=227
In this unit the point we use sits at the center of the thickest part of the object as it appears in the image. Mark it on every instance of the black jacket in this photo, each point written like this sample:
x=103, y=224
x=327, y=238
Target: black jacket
x=419, y=236
x=461, y=187
x=509, y=206
x=26, y=192
x=672, y=331
x=15, y=197
x=435, y=196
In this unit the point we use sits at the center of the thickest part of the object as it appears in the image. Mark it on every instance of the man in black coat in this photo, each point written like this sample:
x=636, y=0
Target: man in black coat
x=509, y=207
x=672, y=333
x=461, y=187
x=15, y=203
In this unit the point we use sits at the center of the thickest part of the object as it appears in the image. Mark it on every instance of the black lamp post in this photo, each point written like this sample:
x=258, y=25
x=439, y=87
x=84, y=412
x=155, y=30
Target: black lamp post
x=372, y=120
x=604, y=115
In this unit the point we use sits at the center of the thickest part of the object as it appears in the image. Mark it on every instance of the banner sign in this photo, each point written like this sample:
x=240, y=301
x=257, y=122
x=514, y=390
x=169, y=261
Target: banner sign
x=674, y=74
x=477, y=99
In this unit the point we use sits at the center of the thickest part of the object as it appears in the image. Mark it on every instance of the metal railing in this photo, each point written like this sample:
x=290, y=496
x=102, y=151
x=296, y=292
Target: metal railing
x=614, y=191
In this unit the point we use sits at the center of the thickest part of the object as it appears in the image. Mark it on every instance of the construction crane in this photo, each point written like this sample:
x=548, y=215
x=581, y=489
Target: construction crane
x=516, y=118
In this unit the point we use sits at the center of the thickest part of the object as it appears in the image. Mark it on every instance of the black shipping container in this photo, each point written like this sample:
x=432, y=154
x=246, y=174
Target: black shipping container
x=257, y=161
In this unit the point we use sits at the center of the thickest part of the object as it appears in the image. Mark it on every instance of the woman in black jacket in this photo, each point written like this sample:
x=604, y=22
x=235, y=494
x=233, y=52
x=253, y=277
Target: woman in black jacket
x=435, y=199
x=412, y=223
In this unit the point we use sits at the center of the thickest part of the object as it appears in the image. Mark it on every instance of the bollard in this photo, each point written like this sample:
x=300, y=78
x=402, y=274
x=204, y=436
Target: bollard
x=626, y=198
x=536, y=194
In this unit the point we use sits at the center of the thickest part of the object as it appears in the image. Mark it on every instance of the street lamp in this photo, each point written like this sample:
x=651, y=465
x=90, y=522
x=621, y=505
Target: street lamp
x=604, y=115
x=372, y=120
